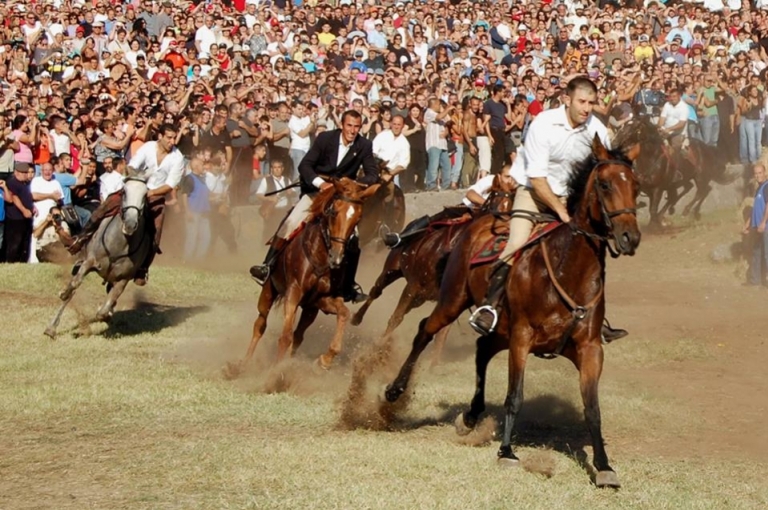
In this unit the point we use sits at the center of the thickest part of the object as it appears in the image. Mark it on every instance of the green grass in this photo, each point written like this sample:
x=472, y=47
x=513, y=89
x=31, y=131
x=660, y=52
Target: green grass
x=122, y=418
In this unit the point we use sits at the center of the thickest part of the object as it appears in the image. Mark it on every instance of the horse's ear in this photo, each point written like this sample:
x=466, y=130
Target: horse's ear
x=369, y=191
x=633, y=152
x=598, y=149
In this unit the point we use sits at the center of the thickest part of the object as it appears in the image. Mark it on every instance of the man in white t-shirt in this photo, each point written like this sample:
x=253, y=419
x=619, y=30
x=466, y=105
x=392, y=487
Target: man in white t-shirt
x=556, y=140
x=205, y=37
x=674, y=119
x=300, y=125
x=46, y=192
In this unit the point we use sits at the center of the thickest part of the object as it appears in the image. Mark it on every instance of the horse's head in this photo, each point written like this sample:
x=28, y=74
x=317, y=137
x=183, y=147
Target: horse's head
x=613, y=187
x=502, y=195
x=342, y=208
x=134, y=201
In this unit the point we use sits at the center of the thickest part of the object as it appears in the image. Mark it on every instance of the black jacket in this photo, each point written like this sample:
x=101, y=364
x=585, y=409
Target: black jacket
x=320, y=161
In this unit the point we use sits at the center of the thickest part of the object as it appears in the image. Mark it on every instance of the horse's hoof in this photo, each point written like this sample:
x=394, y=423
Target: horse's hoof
x=508, y=462
x=64, y=295
x=50, y=333
x=322, y=363
x=232, y=371
x=356, y=320
x=607, y=479
x=461, y=426
x=392, y=393
x=106, y=318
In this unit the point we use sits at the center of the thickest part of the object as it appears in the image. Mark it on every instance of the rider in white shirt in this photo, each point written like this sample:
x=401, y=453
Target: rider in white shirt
x=556, y=140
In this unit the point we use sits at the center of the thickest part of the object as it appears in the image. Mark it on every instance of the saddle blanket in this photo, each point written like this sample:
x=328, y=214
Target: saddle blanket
x=491, y=250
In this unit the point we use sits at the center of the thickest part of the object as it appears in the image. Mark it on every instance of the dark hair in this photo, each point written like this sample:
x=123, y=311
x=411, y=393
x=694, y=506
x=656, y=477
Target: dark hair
x=580, y=83
x=353, y=114
x=165, y=128
x=19, y=121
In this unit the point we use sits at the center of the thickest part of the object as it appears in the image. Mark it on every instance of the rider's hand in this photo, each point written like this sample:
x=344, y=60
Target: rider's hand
x=324, y=186
x=564, y=216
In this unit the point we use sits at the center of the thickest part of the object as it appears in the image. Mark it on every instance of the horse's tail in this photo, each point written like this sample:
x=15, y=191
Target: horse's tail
x=718, y=168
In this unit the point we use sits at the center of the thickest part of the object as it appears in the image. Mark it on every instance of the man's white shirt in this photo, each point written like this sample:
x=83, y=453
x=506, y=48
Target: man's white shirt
x=672, y=114
x=110, y=182
x=396, y=151
x=552, y=147
x=169, y=172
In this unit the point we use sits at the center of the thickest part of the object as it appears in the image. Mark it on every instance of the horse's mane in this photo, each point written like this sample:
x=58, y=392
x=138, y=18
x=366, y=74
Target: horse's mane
x=577, y=184
x=321, y=201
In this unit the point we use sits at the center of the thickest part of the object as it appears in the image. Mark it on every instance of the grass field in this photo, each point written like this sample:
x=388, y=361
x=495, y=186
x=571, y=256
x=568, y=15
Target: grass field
x=137, y=415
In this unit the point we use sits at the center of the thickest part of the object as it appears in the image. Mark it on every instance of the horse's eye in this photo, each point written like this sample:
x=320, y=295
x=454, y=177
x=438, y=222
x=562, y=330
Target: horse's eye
x=604, y=185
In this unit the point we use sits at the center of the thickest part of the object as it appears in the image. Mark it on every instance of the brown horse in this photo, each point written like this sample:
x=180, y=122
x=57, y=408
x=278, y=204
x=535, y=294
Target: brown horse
x=554, y=302
x=384, y=210
x=307, y=272
x=422, y=261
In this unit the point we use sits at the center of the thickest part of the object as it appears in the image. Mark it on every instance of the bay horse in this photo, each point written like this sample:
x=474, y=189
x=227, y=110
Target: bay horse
x=421, y=262
x=115, y=251
x=554, y=302
x=306, y=272
x=384, y=210
x=661, y=171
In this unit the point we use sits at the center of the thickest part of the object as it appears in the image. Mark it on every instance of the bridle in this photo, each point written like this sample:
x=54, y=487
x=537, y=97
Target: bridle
x=330, y=212
x=500, y=195
x=138, y=209
x=607, y=216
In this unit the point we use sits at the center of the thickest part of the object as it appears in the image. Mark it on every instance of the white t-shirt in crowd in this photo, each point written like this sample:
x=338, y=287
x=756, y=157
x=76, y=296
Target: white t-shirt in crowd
x=296, y=125
x=672, y=114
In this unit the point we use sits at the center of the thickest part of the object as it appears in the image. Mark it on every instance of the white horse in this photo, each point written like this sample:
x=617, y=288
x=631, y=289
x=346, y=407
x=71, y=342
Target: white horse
x=115, y=252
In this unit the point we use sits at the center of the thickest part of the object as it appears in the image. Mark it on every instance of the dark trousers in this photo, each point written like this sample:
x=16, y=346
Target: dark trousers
x=242, y=175
x=758, y=267
x=413, y=177
x=498, y=151
x=222, y=228
x=16, y=240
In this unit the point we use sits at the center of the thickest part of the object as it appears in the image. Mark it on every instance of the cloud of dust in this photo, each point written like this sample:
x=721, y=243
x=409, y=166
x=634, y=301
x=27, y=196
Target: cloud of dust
x=482, y=435
x=540, y=462
x=364, y=405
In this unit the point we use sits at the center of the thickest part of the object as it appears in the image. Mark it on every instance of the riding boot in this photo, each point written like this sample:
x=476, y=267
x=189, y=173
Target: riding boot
x=484, y=319
x=261, y=273
x=393, y=239
x=141, y=277
x=352, y=292
x=609, y=334
x=81, y=240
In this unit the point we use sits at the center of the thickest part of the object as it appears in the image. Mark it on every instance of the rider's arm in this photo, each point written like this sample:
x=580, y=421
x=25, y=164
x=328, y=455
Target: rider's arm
x=537, y=151
x=310, y=160
x=370, y=168
x=545, y=193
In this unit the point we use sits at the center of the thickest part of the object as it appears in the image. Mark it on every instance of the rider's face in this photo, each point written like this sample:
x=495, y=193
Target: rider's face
x=579, y=106
x=168, y=140
x=350, y=128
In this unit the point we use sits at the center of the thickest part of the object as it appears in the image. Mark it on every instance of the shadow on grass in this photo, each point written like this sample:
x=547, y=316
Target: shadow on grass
x=148, y=317
x=544, y=421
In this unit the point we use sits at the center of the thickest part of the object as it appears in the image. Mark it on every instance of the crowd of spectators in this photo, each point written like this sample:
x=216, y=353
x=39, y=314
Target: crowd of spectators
x=446, y=89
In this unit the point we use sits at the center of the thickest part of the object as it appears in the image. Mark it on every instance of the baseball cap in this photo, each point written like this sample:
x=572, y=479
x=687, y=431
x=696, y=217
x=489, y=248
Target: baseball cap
x=643, y=38
x=479, y=81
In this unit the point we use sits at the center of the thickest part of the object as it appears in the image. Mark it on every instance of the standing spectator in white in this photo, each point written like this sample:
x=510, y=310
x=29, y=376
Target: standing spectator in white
x=111, y=181
x=274, y=208
x=197, y=208
x=301, y=126
x=46, y=192
x=392, y=146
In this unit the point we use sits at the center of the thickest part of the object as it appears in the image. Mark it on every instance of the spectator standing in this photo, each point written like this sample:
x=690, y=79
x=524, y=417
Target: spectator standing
x=243, y=134
x=197, y=208
x=18, y=215
x=281, y=139
x=392, y=146
x=47, y=195
x=437, y=144
x=301, y=126
x=415, y=133
x=220, y=221
x=25, y=133
x=273, y=208
x=755, y=228
x=494, y=111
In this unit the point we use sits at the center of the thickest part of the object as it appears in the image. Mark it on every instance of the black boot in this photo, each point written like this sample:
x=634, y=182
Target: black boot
x=485, y=317
x=610, y=334
x=261, y=273
x=81, y=240
x=352, y=292
x=393, y=239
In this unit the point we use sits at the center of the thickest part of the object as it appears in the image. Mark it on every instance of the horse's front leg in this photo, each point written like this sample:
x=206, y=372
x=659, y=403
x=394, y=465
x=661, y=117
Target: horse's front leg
x=518, y=355
x=590, y=364
x=105, y=312
x=67, y=294
x=487, y=348
x=266, y=300
x=335, y=306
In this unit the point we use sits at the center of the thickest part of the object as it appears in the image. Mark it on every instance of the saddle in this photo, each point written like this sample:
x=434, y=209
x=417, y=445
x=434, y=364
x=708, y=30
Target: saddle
x=491, y=250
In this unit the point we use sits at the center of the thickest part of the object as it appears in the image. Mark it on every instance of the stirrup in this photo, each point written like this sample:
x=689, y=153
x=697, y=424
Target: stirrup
x=479, y=328
x=392, y=239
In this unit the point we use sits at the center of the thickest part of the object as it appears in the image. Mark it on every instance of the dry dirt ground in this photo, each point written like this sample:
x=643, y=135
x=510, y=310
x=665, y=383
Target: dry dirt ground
x=137, y=414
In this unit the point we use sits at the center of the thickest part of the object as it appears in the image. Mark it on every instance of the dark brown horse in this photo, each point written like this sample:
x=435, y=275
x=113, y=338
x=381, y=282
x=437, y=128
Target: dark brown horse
x=421, y=262
x=305, y=272
x=384, y=210
x=554, y=302
x=661, y=171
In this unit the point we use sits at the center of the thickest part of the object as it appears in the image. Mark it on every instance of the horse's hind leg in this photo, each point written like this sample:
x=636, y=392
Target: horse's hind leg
x=67, y=294
x=292, y=299
x=308, y=316
x=266, y=299
x=335, y=306
x=405, y=304
x=440, y=339
x=487, y=348
x=390, y=274
x=105, y=312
